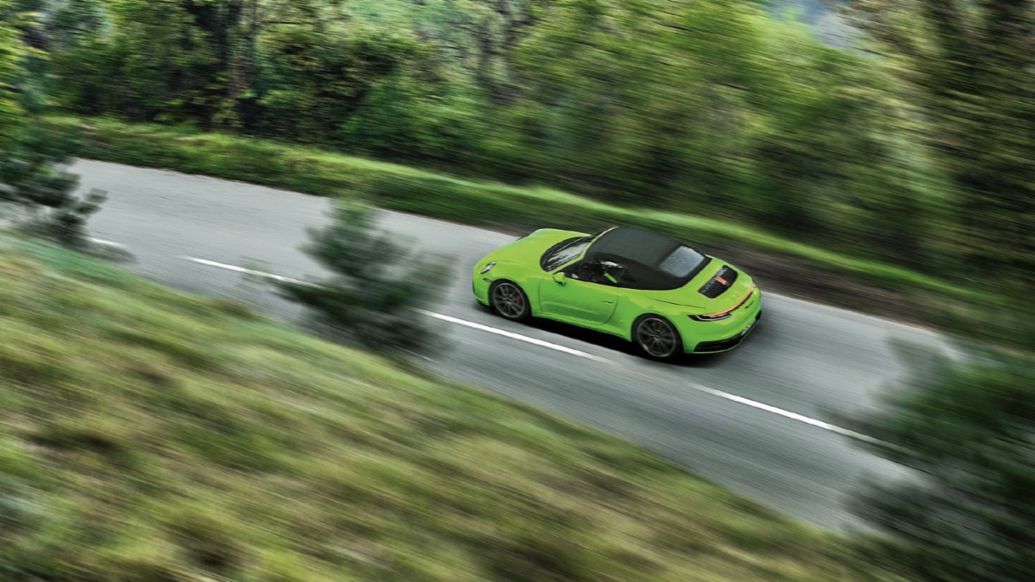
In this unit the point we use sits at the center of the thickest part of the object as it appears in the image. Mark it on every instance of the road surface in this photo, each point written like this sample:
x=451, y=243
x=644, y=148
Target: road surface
x=755, y=420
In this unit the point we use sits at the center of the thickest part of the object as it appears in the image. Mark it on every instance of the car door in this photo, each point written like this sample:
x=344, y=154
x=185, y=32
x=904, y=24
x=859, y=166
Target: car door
x=577, y=295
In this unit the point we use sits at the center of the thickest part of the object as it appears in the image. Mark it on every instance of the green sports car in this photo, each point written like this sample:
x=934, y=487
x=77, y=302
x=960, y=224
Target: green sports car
x=657, y=292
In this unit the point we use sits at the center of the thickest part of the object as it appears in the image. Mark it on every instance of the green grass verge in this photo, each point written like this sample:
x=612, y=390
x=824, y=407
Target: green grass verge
x=425, y=192
x=150, y=435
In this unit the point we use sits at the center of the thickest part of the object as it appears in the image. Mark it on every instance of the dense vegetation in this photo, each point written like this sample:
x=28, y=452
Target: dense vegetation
x=713, y=108
x=969, y=70
x=969, y=431
x=147, y=435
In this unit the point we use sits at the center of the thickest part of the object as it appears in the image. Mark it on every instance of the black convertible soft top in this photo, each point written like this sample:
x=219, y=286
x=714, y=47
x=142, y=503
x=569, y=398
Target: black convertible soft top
x=644, y=253
x=634, y=244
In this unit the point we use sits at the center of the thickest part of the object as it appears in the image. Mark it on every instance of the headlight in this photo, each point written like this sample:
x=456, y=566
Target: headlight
x=487, y=267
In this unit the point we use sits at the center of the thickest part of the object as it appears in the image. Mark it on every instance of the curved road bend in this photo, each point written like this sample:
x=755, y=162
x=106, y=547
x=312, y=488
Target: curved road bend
x=752, y=420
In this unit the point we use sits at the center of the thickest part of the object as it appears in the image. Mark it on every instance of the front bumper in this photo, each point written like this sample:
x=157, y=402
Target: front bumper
x=480, y=287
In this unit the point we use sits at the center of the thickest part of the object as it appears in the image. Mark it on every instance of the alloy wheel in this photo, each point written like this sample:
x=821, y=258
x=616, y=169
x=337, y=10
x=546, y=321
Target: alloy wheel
x=509, y=301
x=657, y=337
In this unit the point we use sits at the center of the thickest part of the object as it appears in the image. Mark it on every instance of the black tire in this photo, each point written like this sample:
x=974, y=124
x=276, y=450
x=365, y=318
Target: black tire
x=509, y=301
x=657, y=338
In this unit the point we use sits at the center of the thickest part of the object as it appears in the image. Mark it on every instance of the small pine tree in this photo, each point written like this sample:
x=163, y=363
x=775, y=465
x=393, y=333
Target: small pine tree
x=33, y=178
x=377, y=288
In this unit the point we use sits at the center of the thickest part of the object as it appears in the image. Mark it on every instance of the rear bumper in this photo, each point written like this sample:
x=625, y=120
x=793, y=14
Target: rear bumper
x=715, y=346
x=702, y=337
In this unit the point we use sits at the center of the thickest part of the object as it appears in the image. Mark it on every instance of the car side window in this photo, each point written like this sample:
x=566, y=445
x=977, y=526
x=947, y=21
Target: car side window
x=600, y=272
x=581, y=271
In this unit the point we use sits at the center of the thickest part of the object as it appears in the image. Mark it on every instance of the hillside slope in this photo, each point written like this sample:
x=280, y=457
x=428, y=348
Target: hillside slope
x=149, y=435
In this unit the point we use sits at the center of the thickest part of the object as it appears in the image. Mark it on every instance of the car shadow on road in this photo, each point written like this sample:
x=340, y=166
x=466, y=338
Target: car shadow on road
x=617, y=344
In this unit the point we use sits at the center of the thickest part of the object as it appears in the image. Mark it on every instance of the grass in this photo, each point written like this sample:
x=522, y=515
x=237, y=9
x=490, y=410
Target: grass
x=151, y=435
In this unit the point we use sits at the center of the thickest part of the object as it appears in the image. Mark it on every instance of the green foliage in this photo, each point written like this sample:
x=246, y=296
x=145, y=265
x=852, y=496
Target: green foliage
x=969, y=430
x=401, y=119
x=969, y=68
x=717, y=108
x=377, y=290
x=916, y=158
x=147, y=435
x=723, y=112
x=321, y=76
x=33, y=182
x=713, y=108
x=11, y=55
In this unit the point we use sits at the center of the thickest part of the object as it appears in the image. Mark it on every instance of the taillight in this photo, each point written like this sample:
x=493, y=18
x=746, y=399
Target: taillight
x=712, y=317
x=725, y=314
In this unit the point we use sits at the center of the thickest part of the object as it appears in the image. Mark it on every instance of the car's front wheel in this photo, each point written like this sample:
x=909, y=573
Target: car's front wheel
x=509, y=301
x=657, y=337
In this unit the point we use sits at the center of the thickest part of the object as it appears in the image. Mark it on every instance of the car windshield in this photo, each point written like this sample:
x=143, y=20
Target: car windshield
x=681, y=262
x=564, y=252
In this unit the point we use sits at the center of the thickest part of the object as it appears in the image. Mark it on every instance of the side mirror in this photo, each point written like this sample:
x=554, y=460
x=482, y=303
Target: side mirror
x=560, y=278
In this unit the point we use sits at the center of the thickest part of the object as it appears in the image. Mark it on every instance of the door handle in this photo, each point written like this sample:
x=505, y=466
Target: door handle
x=608, y=301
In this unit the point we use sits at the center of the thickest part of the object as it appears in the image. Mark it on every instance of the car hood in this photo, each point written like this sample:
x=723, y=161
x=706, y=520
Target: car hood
x=690, y=295
x=530, y=248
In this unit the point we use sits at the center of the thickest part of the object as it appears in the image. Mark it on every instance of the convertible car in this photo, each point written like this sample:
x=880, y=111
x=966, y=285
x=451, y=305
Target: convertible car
x=657, y=292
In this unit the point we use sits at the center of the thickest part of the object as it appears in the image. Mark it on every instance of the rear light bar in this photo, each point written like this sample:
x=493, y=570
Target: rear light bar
x=727, y=313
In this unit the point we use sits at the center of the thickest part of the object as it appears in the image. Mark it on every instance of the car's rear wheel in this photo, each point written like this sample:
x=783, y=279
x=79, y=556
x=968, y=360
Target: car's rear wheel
x=509, y=301
x=657, y=337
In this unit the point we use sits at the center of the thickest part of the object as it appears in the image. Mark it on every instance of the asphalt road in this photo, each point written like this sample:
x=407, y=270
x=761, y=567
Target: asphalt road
x=752, y=419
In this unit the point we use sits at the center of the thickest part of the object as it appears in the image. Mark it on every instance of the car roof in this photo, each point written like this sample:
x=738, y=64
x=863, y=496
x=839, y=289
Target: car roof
x=634, y=244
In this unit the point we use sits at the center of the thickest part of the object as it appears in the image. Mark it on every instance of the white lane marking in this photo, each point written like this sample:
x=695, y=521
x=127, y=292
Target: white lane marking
x=514, y=336
x=791, y=415
x=245, y=271
x=107, y=243
x=573, y=352
x=432, y=314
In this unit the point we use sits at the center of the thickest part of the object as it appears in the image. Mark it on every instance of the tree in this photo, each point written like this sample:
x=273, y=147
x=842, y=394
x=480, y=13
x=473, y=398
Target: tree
x=319, y=75
x=716, y=108
x=33, y=179
x=11, y=55
x=495, y=27
x=970, y=65
x=968, y=429
x=32, y=159
x=377, y=288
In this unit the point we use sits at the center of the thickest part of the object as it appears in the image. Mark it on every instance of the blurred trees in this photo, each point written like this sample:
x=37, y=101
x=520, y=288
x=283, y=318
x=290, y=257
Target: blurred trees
x=12, y=59
x=715, y=108
x=320, y=75
x=33, y=181
x=969, y=430
x=377, y=289
x=971, y=66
